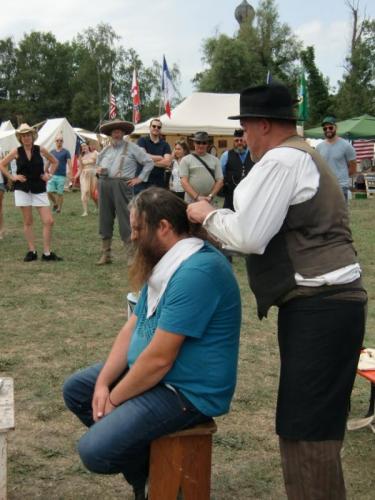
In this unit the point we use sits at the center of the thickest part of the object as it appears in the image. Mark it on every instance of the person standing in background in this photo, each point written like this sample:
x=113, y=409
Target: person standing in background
x=338, y=153
x=236, y=164
x=160, y=153
x=180, y=150
x=87, y=176
x=55, y=186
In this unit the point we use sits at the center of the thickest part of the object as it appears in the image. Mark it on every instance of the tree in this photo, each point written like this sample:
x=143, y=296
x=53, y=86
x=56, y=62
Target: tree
x=7, y=73
x=42, y=77
x=320, y=103
x=243, y=60
x=356, y=94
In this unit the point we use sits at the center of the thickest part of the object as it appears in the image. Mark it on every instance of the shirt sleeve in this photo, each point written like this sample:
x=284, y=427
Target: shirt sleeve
x=350, y=153
x=167, y=149
x=144, y=160
x=218, y=170
x=224, y=161
x=183, y=167
x=68, y=157
x=190, y=302
x=261, y=202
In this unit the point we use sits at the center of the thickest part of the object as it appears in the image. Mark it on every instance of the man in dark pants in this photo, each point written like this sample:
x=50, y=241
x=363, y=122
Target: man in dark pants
x=122, y=165
x=160, y=153
x=292, y=222
x=235, y=164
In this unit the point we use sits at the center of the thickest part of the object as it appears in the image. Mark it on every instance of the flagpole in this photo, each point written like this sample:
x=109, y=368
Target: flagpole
x=161, y=100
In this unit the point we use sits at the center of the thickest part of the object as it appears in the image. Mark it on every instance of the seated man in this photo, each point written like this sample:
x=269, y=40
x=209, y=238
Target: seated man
x=173, y=364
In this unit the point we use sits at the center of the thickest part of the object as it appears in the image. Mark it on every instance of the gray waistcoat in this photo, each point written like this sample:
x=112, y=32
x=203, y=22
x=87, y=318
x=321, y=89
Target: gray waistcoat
x=314, y=239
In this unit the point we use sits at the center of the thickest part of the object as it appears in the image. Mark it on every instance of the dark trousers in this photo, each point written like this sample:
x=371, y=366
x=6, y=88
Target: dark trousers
x=119, y=442
x=114, y=198
x=320, y=340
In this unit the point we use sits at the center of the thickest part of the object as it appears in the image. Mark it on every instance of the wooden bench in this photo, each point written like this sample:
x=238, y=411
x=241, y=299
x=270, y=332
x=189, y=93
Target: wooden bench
x=182, y=462
x=6, y=424
x=369, y=375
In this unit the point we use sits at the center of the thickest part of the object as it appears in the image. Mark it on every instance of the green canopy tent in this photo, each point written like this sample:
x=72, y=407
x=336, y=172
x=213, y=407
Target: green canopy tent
x=362, y=127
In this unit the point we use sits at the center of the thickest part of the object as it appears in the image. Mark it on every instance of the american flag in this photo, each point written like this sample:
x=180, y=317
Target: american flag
x=136, y=99
x=112, y=107
x=364, y=149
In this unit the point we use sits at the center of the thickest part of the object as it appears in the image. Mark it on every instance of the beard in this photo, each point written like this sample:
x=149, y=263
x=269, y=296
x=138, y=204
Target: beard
x=146, y=254
x=330, y=134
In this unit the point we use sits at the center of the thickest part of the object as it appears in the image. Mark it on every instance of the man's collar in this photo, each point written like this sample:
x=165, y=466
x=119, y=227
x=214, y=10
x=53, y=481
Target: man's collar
x=152, y=140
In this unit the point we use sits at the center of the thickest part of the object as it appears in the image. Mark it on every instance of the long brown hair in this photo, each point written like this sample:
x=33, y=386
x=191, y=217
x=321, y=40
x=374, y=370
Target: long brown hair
x=151, y=206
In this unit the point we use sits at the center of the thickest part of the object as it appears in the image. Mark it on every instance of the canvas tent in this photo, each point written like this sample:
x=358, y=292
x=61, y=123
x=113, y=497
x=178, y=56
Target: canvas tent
x=200, y=111
x=46, y=135
x=361, y=127
x=8, y=139
x=54, y=127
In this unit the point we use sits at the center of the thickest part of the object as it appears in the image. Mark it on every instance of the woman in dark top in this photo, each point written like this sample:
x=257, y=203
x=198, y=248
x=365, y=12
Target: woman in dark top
x=30, y=188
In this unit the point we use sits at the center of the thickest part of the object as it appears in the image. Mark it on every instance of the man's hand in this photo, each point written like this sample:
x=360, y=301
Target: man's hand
x=99, y=402
x=198, y=211
x=46, y=177
x=134, y=182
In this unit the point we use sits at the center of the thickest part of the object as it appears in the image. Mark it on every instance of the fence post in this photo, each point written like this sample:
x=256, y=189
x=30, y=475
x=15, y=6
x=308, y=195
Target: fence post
x=6, y=424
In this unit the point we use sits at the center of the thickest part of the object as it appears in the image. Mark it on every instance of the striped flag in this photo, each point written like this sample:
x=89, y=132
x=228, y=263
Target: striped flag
x=365, y=150
x=112, y=107
x=136, y=98
x=167, y=88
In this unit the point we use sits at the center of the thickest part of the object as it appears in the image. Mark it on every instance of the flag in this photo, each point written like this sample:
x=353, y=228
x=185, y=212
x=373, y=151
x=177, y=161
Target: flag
x=167, y=88
x=303, y=100
x=136, y=99
x=112, y=107
x=77, y=151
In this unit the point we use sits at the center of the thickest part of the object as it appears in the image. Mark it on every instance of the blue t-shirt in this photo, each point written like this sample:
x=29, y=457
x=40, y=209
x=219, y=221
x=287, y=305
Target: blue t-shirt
x=62, y=156
x=202, y=301
x=338, y=155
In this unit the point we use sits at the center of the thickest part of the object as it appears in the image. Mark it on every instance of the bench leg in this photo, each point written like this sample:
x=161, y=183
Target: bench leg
x=196, y=481
x=3, y=466
x=165, y=469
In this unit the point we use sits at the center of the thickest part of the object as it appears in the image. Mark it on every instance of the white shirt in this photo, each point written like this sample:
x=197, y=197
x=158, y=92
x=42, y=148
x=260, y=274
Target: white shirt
x=282, y=178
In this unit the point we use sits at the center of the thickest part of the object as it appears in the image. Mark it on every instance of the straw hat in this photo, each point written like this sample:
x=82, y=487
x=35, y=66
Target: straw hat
x=107, y=127
x=25, y=128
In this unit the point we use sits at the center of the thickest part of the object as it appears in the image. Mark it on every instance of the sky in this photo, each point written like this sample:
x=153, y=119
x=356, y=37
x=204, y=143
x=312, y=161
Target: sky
x=177, y=28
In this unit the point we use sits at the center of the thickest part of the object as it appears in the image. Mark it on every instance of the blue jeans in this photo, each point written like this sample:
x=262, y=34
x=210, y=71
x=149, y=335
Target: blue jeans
x=120, y=442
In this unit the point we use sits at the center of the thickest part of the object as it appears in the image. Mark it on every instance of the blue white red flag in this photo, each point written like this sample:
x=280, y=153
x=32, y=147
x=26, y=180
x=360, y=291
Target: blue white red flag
x=167, y=88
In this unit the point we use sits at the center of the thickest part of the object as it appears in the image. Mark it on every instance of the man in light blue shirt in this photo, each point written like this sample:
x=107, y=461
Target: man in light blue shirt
x=338, y=153
x=118, y=164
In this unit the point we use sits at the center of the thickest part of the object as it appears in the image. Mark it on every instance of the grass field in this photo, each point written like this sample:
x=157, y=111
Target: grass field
x=58, y=317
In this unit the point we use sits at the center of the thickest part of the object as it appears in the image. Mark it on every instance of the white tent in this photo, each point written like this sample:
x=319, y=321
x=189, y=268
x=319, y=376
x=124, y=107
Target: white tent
x=8, y=139
x=90, y=136
x=200, y=111
x=54, y=127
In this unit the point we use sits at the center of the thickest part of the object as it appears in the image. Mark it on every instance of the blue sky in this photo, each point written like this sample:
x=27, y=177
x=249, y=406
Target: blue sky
x=176, y=28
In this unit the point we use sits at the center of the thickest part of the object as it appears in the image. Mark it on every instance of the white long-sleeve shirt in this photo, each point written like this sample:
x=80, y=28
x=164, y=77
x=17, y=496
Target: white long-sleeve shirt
x=282, y=178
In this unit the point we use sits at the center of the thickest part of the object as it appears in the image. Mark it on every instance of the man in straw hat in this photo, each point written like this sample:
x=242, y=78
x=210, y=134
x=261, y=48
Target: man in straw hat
x=118, y=167
x=291, y=221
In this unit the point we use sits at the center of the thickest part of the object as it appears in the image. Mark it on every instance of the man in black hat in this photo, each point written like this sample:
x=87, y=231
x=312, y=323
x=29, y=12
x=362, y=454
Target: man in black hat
x=236, y=164
x=200, y=172
x=291, y=221
x=121, y=166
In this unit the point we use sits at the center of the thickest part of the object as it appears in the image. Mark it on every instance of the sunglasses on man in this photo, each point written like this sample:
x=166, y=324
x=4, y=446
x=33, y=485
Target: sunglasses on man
x=201, y=142
x=329, y=127
x=156, y=126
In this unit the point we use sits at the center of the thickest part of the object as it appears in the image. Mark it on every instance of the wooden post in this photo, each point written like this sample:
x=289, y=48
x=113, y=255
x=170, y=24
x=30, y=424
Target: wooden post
x=6, y=424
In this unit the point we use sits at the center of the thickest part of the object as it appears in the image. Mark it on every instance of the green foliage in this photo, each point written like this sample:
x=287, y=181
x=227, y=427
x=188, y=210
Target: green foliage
x=42, y=78
x=356, y=95
x=320, y=103
x=243, y=60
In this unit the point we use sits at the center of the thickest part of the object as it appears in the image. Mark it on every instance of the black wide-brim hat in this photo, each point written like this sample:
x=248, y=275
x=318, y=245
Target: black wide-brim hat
x=266, y=101
x=110, y=125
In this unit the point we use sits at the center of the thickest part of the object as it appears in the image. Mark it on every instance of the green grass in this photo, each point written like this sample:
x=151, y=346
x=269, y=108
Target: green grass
x=58, y=317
